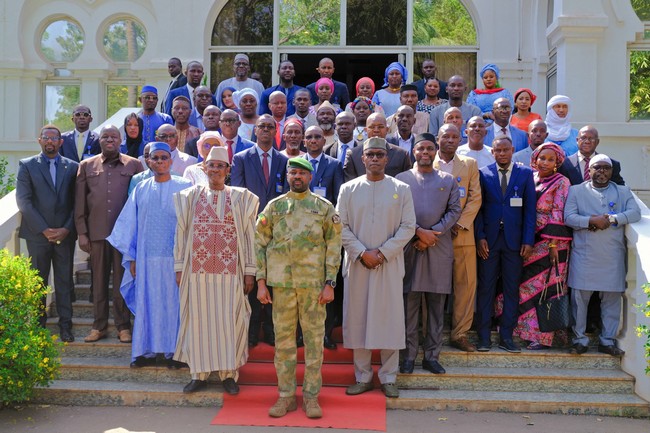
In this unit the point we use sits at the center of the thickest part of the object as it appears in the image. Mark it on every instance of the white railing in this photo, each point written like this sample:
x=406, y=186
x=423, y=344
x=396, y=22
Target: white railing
x=638, y=238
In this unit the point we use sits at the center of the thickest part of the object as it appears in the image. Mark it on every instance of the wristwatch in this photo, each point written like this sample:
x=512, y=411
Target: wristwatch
x=612, y=219
x=331, y=283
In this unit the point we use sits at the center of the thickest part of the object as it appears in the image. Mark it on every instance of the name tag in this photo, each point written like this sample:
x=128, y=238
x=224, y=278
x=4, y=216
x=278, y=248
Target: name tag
x=462, y=192
x=516, y=202
x=320, y=190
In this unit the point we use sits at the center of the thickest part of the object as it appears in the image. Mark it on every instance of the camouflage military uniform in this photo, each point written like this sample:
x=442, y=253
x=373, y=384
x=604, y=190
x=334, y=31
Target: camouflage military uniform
x=298, y=244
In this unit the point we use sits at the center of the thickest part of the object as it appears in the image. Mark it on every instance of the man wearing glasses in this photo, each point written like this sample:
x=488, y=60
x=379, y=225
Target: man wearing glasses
x=378, y=220
x=81, y=142
x=180, y=160
x=150, y=117
x=144, y=235
x=501, y=110
x=241, y=80
x=229, y=124
x=102, y=189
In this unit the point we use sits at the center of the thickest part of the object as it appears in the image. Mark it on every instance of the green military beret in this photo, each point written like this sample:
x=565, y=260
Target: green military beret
x=301, y=163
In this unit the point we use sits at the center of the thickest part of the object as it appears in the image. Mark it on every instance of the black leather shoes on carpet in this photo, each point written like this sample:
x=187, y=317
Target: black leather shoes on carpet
x=509, y=346
x=407, y=366
x=328, y=343
x=578, y=349
x=195, y=385
x=66, y=335
x=230, y=386
x=433, y=366
x=141, y=361
x=611, y=350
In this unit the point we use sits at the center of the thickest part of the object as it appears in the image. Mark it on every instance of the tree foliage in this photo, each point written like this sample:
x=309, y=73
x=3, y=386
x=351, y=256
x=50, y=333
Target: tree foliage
x=442, y=22
x=244, y=22
x=376, y=23
x=125, y=41
x=309, y=22
x=7, y=181
x=66, y=45
x=640, y=84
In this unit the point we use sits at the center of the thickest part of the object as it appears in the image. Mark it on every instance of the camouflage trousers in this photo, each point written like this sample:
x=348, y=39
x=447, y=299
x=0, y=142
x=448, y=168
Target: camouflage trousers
x=289, y=306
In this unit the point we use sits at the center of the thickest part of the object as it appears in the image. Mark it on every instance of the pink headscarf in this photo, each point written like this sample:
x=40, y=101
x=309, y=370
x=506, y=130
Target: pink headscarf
x=559, y=154
x=362, y=80
x=325, y=80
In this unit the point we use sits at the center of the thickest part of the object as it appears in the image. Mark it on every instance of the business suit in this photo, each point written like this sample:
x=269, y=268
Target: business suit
x=69, y=146
x=45, y=205
x=328, y=175
x=102, y=190
x=398, y=161
x=571, y=169
x=333, y=150
x=246, y=172
x=465, y=172
x=179, y=81
x=505, y=228
x=394, y=139
x=519, y=137
x=181, y=91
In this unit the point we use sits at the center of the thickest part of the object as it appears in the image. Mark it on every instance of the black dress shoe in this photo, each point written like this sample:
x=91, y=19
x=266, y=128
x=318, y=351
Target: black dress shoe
x=509, y=346
x=611, y=350
x=433, y=366
x=176, y=365
x=230, y=386
x=252, y=342
x=578, y=349
x=269, y=339
x=141, y=361
x=66, y=335
x=300, y=342
x=484, y=346
x=407, y=366
x=328, y=343
x=194, y=386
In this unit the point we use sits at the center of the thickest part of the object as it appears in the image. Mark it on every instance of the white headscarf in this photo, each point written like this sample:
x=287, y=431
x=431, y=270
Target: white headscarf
x=559, y=128
x=239, y=95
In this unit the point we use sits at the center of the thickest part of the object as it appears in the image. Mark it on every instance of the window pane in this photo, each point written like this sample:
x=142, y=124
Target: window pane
x=449, y=64
x=244, y=22
x=62, y=41
x=310, y=22
x=59, y=102
x=640, y=85
x=125, y=41
x=442, y=22
x=120, y=96
x=376, y=23
x=222, y=67
x=642, y=9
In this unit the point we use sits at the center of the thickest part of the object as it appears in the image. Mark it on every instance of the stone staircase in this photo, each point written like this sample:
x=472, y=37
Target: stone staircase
x=550, y=381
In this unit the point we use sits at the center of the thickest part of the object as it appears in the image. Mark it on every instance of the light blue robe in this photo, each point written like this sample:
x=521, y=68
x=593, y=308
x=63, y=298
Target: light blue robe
x=144, y=232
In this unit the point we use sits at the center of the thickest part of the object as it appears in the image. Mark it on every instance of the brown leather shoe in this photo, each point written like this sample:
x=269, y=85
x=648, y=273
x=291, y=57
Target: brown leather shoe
x=125, y=336
x=312, y=408
x=282, y=406
x=95, y=335
x=463, y=344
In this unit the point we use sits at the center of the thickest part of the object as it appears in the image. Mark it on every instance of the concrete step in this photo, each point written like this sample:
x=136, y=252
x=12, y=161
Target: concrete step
x=627, y=405
x=82, y=309
x=112, y=393
x=81, y=326
x=83, y=277
x=82, y=291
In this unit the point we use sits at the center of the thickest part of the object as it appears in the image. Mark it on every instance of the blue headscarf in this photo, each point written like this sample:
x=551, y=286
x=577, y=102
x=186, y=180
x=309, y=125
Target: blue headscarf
x=491, y=67
x=396, y=66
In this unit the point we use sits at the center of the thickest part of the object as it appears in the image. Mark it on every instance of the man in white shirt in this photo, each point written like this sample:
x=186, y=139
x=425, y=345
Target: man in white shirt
x=474, y=148
x=168, y=134
x=241, y=80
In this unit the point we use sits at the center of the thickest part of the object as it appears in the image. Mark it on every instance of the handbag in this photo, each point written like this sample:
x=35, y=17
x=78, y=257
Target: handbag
x=554, y=313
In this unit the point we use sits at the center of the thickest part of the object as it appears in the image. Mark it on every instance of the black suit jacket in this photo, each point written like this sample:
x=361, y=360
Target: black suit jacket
x=398, y=161
x=571, y=169
x=180, y=82
x=42, y=204
x=394, y=139
x=69, y=147
x=329, y=175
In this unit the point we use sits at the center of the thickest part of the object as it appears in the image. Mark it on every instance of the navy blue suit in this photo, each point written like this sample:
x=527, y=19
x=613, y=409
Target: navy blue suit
x=328, y=175
x=571, y=169
x=181, y=91
x=69, y=147
x=246, y=172
x=505, y=228
x=519, y=137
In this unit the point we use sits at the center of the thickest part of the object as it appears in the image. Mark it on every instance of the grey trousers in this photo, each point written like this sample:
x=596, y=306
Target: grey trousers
x=610, y=314
x=363, y=368
x=435, y=303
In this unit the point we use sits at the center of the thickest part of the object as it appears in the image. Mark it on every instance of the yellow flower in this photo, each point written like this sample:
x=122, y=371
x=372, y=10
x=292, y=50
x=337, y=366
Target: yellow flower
x=25, y=348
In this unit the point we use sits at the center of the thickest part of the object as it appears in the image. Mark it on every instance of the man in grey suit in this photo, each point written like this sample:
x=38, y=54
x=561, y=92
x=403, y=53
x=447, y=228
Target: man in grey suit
x=45, y=196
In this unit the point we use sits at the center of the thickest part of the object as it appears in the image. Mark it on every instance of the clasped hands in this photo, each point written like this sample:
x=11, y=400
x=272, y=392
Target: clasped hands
x=372, y=259
x=599, y=222
x=426, y=238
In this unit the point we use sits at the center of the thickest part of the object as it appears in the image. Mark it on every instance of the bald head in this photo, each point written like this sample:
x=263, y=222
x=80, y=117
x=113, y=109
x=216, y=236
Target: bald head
x=376, y=125
x=537, y=133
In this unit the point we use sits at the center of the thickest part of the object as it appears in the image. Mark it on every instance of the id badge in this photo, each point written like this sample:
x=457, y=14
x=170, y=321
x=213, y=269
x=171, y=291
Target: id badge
x=278, y=188
x=516, y=202
x=321, y=191
x=462, y=192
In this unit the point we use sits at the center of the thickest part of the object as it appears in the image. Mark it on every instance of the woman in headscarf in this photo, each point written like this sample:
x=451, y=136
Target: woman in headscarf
x=324, y=90
x=388, y=96
x=225, y=99
x=361, y=107
x=247, y=100
x=484, y=98
x=521, y=114
x=558, y=116
x=133, y=143
x=365, y=88
x=551, y=249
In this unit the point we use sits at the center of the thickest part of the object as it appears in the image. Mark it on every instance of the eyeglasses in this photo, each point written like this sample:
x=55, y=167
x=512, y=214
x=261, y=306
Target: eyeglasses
x=150, y=98
x=600, y=167
x=166, y=136
x=372, y=155
x=266, y=126
x=506, y=108
x=45, y=138
x=590, y=139
x=316, y=137
x=229, y=121
x=81, y=114
x=160, y=158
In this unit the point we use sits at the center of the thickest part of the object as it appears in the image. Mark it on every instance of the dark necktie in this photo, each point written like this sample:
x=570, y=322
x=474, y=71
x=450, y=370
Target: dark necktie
x=265, y=166
x=503, y=131
x=53, y=171
x=230, y=150
x=344, y=150
x=586, y=175
x=504, y=180
x=314, y=163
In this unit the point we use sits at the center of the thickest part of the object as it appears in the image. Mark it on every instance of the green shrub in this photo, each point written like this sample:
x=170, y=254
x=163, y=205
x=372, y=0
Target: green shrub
x=29, y=354
x=7, y=181
x=643, y=331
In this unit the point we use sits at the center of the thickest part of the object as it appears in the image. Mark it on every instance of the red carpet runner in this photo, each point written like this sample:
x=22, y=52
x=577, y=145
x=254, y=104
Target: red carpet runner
x=259, y=391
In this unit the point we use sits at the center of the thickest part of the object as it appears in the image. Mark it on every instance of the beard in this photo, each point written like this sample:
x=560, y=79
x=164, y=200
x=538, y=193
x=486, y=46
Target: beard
x=326, y=126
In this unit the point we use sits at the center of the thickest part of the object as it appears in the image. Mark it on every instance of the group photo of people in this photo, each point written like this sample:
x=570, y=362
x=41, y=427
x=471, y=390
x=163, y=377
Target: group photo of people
x=398, y=211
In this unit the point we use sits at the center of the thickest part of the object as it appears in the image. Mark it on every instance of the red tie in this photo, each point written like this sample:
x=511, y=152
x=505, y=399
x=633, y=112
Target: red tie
x=265, y=166
x=586, y=175
x=230, y=151
x=278, y=135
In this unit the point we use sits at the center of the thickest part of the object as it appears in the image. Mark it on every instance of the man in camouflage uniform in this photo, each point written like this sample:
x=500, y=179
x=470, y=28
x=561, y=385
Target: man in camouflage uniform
x=298, y=244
